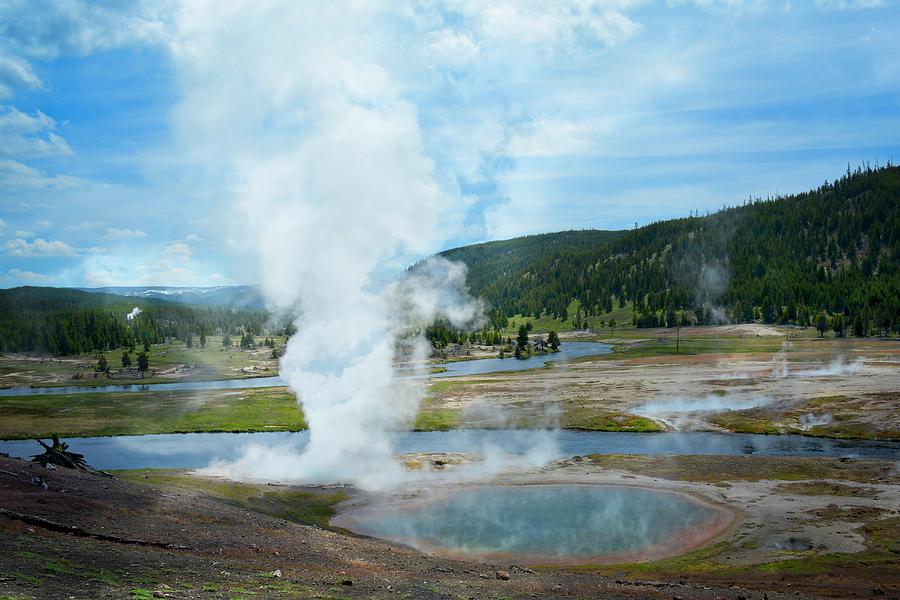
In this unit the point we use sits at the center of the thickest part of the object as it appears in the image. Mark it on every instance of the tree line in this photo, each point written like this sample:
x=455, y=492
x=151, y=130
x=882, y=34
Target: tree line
x=67, y=322
x=832, y=250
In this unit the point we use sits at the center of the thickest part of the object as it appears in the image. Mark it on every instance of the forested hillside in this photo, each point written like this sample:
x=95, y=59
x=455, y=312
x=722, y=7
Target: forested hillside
x=783, y=260
x=66, y=321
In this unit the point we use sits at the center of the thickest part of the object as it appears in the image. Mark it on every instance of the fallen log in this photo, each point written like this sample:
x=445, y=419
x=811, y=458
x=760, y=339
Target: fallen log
x=79, y=532
x=58, y=454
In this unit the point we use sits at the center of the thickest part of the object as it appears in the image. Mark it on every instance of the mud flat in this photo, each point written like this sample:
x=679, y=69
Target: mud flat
x=833, y=388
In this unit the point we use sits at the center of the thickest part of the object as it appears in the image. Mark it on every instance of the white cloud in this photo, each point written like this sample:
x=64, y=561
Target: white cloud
x=193, y=237
x=547, y=23
x=179, y=249
x=17, y=175
x=722, y=5
x=115, y=233
x=850, y=4
x=16, y=73
x=30, y=136
x=47, y=30
x=29, y=276
x=452, y=48
x=22, y=233
x=108, y=271
x=39, y=247
x=555, y=137
x=85, y=225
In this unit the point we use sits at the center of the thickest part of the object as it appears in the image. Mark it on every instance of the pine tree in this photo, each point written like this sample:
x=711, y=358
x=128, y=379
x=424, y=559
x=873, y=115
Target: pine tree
x=126, y=360
x=143, y=363
x=837, y=324
x=202, y=340
x=822, y=323
x=553, y=340
x=859, y=326
x=522, y=339
x=102, y=364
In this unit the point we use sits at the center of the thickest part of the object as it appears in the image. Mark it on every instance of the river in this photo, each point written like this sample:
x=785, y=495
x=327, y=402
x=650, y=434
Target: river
x=192, y=450
x=567, y=351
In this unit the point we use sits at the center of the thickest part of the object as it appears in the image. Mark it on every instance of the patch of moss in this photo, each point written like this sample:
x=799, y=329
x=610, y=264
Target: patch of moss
x=589, y=419
x=743, y=422
x=437, y=419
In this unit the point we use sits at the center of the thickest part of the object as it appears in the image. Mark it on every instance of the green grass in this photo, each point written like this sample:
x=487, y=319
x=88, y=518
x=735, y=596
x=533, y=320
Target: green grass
x=55, y=565
x=210, y=363
x=740, y=422
x=589, y=419
x=136, y=413
x=298, y=506
x=546, y=323
x=437, y=419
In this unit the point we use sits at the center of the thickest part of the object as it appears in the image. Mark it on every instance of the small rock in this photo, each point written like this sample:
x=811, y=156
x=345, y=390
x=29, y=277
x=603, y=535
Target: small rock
x=276, y=573
x=877, y=592
x=503, y=575
x=346, y=582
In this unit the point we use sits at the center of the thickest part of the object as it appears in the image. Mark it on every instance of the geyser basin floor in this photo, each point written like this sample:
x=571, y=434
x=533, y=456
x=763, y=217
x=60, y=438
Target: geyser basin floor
x=544, y=524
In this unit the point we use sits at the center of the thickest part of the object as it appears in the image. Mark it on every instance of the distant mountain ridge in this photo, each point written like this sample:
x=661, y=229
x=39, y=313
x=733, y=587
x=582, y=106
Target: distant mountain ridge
x=222, y=295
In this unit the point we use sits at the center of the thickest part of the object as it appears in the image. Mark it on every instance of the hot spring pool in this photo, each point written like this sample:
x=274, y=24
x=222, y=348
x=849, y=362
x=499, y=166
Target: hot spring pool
x=544, y=524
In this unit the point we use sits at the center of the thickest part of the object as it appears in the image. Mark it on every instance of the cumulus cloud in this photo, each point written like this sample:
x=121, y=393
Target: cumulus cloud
x=179, y=249
x=28, y=276
x=50, y=29
x=452, y=48
x=30, y=136
x=18, y=175
x=39, y=247
x=116, y=233
x=193, y=237
x=548, y=23
x=16, y=73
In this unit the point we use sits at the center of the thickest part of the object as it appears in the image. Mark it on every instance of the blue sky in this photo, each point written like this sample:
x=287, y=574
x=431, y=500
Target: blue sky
x=537, y=117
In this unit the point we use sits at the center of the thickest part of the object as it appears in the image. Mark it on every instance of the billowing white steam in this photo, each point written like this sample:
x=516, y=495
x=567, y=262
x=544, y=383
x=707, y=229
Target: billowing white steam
x=337, y=193
x=838, y=366
x=809, y=420
x=709, y=403
x=134, y=312
x=685, y=413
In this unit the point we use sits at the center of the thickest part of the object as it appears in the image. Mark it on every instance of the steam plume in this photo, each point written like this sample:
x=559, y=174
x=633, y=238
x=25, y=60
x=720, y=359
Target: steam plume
x=337, y=193
x=134, y=312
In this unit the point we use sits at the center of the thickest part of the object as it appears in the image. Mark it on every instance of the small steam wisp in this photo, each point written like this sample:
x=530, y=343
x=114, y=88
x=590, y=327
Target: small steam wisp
x=134, y=313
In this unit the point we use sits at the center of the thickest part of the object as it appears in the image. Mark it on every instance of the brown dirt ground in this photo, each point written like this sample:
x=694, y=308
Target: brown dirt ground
x=230, y=552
